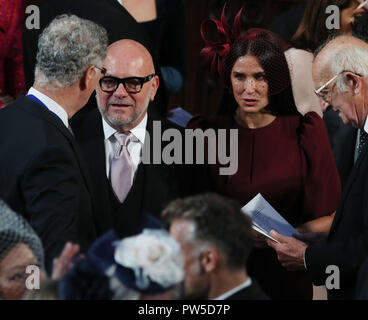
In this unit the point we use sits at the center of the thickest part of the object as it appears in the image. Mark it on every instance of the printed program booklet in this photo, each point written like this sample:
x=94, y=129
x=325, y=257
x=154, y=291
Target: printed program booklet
x=265, y=218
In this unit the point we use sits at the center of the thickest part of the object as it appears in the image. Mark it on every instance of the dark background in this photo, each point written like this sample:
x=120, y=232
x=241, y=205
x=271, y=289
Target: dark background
x=201, y=94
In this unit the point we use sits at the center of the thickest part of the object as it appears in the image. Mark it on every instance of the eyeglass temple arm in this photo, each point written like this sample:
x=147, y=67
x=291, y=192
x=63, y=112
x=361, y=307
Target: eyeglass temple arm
x=326, y=84
x=362, y=5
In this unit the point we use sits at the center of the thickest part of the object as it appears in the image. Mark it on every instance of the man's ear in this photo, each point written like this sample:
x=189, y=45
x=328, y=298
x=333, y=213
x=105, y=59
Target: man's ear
x=354, y=82
x=88, y=77
x=155, y=85
x=209, y=260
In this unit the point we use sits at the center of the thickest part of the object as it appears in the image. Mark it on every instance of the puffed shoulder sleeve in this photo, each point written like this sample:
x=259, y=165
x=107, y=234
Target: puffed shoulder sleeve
x=322, y=188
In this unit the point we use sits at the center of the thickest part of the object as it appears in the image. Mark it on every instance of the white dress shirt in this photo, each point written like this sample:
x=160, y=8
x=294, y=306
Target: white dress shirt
x=134, y=147
x=51, y=105
x=245, y=284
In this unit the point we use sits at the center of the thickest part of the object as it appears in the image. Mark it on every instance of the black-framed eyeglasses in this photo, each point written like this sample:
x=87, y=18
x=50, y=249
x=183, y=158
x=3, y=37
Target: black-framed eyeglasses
x=103, y=70
x=131, y=84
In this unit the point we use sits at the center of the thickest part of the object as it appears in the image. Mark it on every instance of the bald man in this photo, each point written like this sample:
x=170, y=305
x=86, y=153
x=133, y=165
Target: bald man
x=340, y=74
x=113, y=137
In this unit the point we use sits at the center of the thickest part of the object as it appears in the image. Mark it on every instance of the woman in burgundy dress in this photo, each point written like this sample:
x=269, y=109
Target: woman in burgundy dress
x=282, y=155
x=11, y=67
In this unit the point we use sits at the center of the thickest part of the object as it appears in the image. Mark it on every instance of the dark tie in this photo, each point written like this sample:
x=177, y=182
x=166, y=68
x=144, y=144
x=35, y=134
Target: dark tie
x=362, y=140
x=121, y=171
x=70, y=129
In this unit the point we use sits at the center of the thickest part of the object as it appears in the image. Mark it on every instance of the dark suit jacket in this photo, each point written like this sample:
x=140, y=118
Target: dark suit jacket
x=42, y=176
x=118, y=23
x=347, y=243
x=155, y=185
x=342, y=138
x=253, y=292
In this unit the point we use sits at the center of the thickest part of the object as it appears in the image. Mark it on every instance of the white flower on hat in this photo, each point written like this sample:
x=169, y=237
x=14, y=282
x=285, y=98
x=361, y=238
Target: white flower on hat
x=153, y=255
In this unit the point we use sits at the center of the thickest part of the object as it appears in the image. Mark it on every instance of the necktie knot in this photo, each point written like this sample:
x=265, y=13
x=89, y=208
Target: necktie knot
x=123, y=138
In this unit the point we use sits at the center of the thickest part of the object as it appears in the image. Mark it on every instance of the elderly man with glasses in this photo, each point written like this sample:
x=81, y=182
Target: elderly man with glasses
x=124, y=127
x=340, y=72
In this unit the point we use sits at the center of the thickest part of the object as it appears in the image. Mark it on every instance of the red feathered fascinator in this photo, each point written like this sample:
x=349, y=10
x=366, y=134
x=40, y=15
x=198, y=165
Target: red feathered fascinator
x=255, y=41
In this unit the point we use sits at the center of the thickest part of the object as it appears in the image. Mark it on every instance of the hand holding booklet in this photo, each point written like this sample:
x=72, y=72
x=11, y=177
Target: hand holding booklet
x=265, y=218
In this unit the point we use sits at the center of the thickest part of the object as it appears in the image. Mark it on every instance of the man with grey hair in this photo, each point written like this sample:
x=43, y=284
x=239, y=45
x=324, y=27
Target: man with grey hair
x=216, y=238
x=340, y=73
x=42, y=173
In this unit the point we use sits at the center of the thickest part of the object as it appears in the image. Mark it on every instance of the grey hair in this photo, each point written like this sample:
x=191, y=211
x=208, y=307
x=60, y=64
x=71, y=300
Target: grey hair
x=66, y=49
x=352, y=58
x=199, y=245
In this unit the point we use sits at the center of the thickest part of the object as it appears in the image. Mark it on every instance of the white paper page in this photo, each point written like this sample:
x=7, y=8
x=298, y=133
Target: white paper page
x=266, y=217
x=261, y=231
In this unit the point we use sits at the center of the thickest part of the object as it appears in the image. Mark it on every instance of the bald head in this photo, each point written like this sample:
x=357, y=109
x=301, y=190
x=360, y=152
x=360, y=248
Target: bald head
x=134, y=54
x=323, y=62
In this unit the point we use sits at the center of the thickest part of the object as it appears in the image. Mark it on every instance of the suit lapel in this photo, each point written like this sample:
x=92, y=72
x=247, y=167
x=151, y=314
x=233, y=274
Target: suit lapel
x=34, y=108
x=91, y=140
x=149, y=169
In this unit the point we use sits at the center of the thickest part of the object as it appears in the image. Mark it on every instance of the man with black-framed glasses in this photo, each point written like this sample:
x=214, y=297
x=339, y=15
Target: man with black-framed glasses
x=344, y=249
x=124, y=127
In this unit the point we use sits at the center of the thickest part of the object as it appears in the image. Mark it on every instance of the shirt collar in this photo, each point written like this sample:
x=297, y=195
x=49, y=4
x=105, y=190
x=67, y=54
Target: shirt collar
x=366, y=125
x=52, y=105
x=245, y=284
x=139, y=131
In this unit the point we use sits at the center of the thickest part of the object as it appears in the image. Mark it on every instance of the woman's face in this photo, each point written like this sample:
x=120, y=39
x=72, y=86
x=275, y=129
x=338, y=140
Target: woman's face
x=249, y=84
x=12, y=271
x=348, y=15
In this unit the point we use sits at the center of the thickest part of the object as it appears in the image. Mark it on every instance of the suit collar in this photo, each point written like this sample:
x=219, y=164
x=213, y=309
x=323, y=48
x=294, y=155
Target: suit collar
x=51, y=105
x=37, y=110
x=247, y=283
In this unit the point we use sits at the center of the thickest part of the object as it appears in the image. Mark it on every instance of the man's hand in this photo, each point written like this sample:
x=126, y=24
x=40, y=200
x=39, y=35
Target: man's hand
x=290, y=251
x=64, y=263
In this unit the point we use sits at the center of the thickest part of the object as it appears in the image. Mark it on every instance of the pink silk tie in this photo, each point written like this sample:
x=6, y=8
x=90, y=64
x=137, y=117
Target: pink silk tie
x=121, y=170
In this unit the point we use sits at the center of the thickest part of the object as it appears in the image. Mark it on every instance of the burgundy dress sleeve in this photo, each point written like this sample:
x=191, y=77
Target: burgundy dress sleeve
x=12, y=80
x=14, y=63
x=322, y=189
